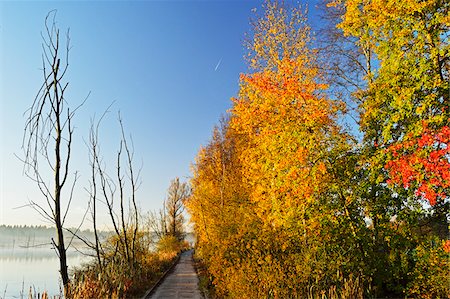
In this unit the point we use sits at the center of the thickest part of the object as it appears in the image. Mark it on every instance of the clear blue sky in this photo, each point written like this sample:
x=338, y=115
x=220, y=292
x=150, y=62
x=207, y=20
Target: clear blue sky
x=156, y=60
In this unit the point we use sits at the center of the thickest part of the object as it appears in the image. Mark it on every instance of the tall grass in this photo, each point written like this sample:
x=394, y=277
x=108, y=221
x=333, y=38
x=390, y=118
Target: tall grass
x=117, y=277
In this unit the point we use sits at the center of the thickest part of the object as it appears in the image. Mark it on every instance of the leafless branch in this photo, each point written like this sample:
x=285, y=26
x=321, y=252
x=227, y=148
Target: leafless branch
x=48, y=136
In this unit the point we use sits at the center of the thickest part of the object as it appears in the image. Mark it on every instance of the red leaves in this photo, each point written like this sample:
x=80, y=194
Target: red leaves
x=423, y=163
x=446, y=246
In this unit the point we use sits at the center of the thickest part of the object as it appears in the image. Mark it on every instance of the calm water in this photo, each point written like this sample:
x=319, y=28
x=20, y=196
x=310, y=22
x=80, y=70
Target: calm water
x=25, y=262
x=22, y=268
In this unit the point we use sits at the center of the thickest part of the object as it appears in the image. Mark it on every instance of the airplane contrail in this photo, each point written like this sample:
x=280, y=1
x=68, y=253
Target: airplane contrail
x=218, y=64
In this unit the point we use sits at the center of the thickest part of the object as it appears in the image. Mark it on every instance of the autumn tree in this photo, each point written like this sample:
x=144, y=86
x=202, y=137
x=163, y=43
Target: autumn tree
x=347, y=65
x=219, y=208
x=174, y=206
x=170, y=221
x=404, y=115
x=284, y=113
x=406, y=105
x=286, y=144
x=317, y=212
x=47, y=141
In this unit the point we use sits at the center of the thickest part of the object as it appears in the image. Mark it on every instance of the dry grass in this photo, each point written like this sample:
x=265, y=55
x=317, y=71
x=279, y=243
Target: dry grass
x=120, y=279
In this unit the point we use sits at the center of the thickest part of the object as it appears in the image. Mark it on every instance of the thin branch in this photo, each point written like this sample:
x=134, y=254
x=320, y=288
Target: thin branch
x=70, y=197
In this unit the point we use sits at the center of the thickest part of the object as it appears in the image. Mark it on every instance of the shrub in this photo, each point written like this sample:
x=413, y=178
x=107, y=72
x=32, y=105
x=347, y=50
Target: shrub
x=119, y=277
x=430, y=275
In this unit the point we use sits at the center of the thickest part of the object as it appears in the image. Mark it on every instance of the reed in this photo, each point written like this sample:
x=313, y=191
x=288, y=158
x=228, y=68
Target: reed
x=118, y=278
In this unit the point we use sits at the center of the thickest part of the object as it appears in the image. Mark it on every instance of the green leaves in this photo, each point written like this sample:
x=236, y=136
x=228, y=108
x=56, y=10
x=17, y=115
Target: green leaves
x=283, y=198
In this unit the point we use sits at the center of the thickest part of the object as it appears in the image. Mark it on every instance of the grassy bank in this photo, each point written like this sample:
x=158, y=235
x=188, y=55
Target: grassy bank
x=117, y=277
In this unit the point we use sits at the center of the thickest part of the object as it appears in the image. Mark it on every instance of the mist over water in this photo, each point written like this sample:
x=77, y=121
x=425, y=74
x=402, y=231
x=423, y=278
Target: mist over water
x=18, y=274
x=28, y=260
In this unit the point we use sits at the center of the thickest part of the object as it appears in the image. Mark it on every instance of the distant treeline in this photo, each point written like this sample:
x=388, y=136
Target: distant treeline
x=15, y=232
x=35, y=229
x=32, y=234
x=42, y=231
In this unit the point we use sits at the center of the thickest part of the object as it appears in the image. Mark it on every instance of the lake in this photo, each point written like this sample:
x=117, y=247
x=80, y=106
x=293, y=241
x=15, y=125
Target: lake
x=28, y=260
x=22, y=268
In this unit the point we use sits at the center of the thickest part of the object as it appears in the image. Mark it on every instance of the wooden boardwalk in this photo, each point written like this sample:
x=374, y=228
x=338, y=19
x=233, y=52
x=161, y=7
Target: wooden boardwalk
x=182, y=282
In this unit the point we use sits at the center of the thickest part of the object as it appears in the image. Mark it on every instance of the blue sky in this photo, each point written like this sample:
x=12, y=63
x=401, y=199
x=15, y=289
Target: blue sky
x=158, y=61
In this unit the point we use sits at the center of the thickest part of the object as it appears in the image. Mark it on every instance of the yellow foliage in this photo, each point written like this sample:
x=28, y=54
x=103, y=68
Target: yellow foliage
x=259, y=185
x=287, y=121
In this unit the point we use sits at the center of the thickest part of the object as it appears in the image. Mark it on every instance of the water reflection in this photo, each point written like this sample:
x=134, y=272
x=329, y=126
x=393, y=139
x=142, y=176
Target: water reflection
x=28, y=260
x=32, y=254
x=36, y=267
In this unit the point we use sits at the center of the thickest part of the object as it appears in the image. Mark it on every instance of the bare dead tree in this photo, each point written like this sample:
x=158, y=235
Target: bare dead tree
x=105, y=188
x=47, y=139
x=129, y=152
x=94, y=162
x=157, y=222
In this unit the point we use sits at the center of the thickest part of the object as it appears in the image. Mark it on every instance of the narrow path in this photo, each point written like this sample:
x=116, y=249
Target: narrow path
x=182, y=282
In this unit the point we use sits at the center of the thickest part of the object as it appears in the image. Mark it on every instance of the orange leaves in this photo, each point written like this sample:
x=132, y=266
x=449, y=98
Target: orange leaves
x=289, y=126
x=408, y=89
x=424, y=164
x=261, y=212
x=446, y=246
x=268, y=100
x=281, y=197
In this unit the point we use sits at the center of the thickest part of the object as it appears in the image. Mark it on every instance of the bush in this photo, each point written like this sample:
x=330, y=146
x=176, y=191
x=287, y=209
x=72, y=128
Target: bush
x=429, y=278
x=171, y=245
x=119, y=277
